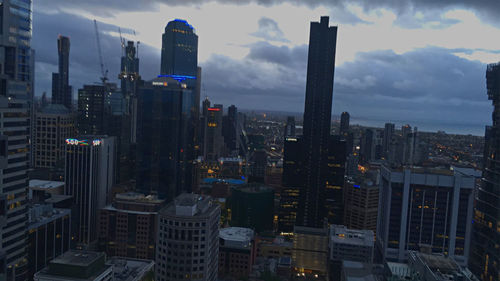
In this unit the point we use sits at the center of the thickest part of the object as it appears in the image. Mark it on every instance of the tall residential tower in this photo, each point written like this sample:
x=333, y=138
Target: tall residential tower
x=61, y=91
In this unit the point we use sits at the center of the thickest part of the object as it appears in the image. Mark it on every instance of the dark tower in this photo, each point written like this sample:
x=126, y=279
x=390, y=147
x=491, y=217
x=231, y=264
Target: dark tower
x=344, y=123
x=317, y=119
x=484, y=258
x=61, y=91
x=290, y=127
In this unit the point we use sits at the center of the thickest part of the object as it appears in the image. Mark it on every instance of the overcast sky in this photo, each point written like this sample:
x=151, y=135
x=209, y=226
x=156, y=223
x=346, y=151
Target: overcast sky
x=412, y=61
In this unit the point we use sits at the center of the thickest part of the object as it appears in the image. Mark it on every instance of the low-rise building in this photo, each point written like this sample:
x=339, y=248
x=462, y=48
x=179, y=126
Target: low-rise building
x=131, y=269
x=437, y=267
x=237, y=252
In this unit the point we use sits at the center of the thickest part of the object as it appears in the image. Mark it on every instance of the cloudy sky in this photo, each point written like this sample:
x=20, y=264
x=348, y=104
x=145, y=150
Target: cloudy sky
x=407, y=61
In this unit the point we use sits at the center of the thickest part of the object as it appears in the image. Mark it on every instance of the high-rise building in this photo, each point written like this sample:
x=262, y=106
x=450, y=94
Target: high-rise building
x=290, y=127
x=229, y=129
x=291, y=181
x=485, y=253
x=61, y=90
x=425, y=207
x=179, y=51
x=89, y=176
x=129, y=76
x=214, y=141
x=344, y=123
x=16, y=89
x=92, y=111
x=361, y=201
x=188, y=239
x=334, y=192
x=388, y=139
x=310, y=251
x=163, y=122
x=252, y=206
x=317, y=122
x=128, y=226
x=53, y=125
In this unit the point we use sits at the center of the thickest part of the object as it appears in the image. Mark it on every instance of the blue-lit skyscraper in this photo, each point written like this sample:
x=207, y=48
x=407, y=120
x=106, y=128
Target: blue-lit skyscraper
x=179, y=51
x=162, y=125
x=16, y=88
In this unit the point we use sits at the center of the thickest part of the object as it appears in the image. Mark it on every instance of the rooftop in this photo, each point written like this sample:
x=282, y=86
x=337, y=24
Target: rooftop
x=139, y=197
x=43, y=184
x=43, y=214
x=55, y=109
x=357, y=271
x=189, y=205
x=340, y=234
x=78, y=258
x=236, y=234
x=129, y=269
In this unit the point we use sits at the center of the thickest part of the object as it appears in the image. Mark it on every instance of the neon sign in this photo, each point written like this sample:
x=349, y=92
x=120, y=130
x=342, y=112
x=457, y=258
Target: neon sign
x=179, y=78
x=83, y=142
x=213, y=109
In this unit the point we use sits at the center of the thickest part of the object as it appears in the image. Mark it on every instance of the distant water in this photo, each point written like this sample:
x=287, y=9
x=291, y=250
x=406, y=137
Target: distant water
x=427, y=126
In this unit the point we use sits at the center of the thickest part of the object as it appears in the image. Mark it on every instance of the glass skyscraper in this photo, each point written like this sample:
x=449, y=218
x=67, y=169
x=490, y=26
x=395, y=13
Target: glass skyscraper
x=485, y=253
x=16, y=88
x=317, y=119
x=179, y=51
x=61, y=91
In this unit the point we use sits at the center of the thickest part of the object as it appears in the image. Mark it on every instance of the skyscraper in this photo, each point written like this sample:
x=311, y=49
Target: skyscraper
x=214, y=141
x=229, y=128
x=179, y=51
x=92, y=110
x=129, y=76
x=344, y=123
x=16, y=88
x=317, y=119
x=485, y=254
x=387, y=140
x=61, y=91
x=334, y=192
x=290, y=127
x=163, y=116
x=89, y=176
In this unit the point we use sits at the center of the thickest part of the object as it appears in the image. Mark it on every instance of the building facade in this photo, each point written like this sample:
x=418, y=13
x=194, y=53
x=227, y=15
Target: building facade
x=485, y=254
x=361, y=202
x=53, y=125
x=237, y=252
x=89, y=176
x=252, y=206
x=128, y=226
x=188, y=239
x=317, y=122
x=429, y=207
x=16, y=94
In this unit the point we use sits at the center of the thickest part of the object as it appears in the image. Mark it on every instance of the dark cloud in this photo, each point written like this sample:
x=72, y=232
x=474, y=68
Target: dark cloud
x=406, y=9
x=84, y=61
x=286, y=56
x=269, y=30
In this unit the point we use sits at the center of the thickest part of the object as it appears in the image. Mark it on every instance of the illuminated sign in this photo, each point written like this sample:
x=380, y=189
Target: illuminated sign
x=179, y=78
x=83, y=142
x=213, y=109
x=164, y=84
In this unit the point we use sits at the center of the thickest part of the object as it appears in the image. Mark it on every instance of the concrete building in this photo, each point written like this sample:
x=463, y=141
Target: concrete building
x=361, y=201
x=237, y=252
x=128, y=227
x=435, y=267
x=89, y=176
x=214, y=140
x=39, y=188
x=188, y=239
x=131, y=269
x=274, y=249
x=49, y=235
x=53, y=124
x=425, y=207
x=350, y=244
x=76, y=266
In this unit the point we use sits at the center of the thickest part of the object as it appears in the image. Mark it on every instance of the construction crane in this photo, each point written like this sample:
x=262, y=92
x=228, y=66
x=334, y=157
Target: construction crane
x=122, y=41
x=104, y=73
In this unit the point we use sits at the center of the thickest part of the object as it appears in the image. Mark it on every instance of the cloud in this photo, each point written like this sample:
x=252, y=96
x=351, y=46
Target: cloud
x=283, y=55
x=269, y=30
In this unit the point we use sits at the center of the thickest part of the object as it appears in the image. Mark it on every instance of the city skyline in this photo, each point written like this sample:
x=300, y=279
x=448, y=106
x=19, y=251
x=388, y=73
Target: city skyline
x=381, y=53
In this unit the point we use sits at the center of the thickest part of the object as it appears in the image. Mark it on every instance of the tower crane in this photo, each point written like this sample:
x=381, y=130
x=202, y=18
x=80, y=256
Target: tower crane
x=104, y=73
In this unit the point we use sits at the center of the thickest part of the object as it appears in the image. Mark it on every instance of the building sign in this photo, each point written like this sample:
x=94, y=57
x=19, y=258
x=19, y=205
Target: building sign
x=83, y=142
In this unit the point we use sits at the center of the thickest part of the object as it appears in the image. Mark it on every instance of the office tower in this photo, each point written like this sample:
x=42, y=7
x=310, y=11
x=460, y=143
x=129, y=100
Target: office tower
x=361, y=201
x=310, y=251
x=229, y=129
x=188, y=239
x=485, y=255
x=289, y=196
x=179, y=50
x=53, y=125
x=429, y=208
x=334, y=192
x=349, y=245
x=368, y=145
x=49, y=235
x=344, y=123
x=252, y=206
x=92, y=114
x=214, y=141
x=16, y=89
x=162, y=123
x=89, y=176
x=290, y=127
x=77, y=265
x=61, y=90
x=128, y=226
x=388, y=138
x=237, y=252
x=317, y=119
x=129, y=76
